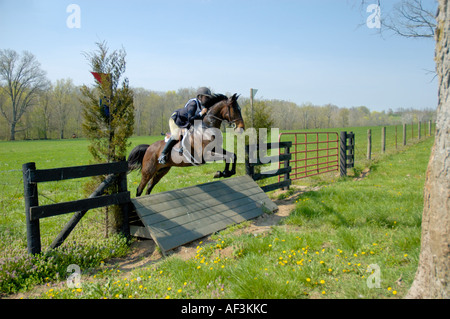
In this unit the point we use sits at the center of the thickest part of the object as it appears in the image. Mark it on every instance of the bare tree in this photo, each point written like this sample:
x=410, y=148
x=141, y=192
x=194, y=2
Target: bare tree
x=64, y=97
x=44, y=113
x=412, y=18
x=21, y=78
x=328, y=111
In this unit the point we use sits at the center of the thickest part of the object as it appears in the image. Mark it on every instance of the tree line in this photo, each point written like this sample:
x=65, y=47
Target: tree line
x=34, y=108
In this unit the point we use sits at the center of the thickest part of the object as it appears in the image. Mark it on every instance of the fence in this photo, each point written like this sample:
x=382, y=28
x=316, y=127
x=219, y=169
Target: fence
x=346, y=152
x=252, y=161
x=305, y=154
x=317, y=153
x=34, y=212
x=313, y=153
x=393, y=136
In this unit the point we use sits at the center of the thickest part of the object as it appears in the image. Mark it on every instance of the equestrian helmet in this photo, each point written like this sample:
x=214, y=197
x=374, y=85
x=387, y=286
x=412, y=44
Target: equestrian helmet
x=204, y=91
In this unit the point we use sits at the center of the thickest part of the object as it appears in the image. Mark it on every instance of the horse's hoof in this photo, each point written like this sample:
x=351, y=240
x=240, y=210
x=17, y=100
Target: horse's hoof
x=229, y=174
x=218, y=174
x=226, y=174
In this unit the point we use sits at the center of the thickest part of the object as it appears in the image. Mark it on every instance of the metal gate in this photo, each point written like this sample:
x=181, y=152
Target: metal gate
x=313, y=153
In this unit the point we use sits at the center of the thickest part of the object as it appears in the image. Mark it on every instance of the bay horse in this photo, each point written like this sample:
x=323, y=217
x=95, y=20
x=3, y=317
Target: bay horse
x=145, y=157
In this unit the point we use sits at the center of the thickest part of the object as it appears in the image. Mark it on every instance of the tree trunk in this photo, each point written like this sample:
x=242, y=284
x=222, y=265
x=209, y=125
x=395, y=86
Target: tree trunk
x=432, y=276
x=12, y=136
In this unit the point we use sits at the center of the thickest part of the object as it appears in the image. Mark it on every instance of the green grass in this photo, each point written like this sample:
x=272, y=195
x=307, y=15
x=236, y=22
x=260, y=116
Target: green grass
x=385, y=209
x=322, y=250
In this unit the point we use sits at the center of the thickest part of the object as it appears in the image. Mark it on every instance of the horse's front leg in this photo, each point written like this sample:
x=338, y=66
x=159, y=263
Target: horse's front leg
x=228, y=156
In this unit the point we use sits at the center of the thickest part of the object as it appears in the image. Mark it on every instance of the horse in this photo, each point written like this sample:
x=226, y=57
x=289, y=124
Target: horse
x=145, y=157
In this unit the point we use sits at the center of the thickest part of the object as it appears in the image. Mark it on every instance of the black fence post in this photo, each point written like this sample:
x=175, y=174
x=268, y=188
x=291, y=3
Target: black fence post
x=249, y=166
x=346, y=160
x=251, y=160
x=122, y=187
x=31, y=199
x=343, y=153
x=287, y=150
x=351, y=150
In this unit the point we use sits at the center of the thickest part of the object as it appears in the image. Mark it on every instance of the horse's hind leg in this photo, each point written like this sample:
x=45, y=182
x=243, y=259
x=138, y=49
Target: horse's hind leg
x=157, y=177
x=144, y=180
x=147, y=174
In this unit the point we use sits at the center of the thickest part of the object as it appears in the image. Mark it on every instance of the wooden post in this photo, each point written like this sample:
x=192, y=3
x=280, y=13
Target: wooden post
x=122, y=187
x=343, y=154
x=249, y=167
x=350, y=147
x=404, y=134
x=251, y=107
x=429, y=127
x=419, y=135
x=383, y=139
x=31, y=199
x=369, y=144
x=412, y=130
x=286, y=164
x=395, y=136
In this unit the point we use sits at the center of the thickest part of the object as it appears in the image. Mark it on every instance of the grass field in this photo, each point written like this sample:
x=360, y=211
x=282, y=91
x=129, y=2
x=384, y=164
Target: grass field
x=322, y=249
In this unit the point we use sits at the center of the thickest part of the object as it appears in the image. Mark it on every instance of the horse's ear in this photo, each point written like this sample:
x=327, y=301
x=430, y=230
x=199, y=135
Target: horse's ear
x=235, y=97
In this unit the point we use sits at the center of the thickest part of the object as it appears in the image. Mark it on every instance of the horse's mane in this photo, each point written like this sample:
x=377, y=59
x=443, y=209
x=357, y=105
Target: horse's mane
x=216, y=98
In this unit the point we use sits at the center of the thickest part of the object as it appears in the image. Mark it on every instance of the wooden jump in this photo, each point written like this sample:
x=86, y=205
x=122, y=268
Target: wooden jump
x=177, y=217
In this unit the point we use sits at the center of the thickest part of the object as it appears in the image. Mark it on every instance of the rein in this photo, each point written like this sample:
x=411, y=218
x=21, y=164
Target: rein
x=229, y=121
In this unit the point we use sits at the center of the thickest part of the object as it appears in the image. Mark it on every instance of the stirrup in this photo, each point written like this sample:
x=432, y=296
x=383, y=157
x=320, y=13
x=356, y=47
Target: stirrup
x=162, y=159
x=179, y=150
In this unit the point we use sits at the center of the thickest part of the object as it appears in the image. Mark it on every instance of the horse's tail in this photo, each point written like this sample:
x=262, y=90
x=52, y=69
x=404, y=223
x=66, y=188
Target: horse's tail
x=136, y=156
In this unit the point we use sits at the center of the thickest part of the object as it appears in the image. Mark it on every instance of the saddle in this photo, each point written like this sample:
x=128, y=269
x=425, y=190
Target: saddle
x=185, y=144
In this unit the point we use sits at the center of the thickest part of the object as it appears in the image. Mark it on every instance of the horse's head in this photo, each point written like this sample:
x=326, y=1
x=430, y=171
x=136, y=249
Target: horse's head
x=222, y=108
x=233, y=114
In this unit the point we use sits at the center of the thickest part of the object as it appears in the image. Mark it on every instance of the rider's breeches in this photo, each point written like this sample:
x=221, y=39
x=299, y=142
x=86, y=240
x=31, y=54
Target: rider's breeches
x=174, y=129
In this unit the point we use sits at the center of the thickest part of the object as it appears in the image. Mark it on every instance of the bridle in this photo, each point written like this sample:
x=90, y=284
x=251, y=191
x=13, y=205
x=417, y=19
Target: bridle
x=230, y=122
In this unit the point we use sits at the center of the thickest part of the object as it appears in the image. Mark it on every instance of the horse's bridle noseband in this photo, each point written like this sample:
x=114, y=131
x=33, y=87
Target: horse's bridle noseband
x=229, y=121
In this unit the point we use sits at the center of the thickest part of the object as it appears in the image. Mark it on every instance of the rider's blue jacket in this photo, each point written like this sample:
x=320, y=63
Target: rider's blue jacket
x=186, y=116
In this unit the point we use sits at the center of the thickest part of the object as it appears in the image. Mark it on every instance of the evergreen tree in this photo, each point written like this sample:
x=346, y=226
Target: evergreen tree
x=108, y=114
x=108, y=111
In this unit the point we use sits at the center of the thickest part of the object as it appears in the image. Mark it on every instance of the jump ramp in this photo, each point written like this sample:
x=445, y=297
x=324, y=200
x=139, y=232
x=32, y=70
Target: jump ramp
x=177, y=217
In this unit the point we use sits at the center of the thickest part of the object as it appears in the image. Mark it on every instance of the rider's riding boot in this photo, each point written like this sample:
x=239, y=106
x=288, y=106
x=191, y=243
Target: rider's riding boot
x=180, y=150
x=170, y=143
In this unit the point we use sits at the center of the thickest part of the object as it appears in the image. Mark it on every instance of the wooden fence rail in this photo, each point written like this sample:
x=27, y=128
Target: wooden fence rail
x=252, y=160
x=116, y=172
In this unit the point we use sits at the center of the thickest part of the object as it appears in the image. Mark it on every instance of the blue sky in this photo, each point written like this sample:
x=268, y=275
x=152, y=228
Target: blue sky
x=301, y=51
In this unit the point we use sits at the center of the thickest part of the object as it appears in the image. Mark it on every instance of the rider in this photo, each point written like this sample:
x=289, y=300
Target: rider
x=184, y=118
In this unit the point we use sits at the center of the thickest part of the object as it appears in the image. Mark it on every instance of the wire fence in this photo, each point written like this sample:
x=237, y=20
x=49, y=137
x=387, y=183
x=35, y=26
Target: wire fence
x=390, y=138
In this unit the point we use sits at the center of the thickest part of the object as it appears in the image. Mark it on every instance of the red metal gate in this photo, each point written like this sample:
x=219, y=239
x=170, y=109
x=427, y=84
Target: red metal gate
x=313, y=153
